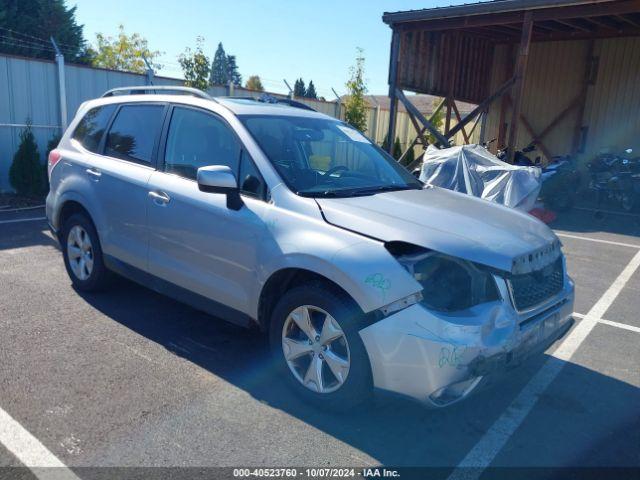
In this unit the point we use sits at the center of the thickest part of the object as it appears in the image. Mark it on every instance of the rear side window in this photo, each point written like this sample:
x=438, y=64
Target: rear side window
x=92, y=126
x=134, y=131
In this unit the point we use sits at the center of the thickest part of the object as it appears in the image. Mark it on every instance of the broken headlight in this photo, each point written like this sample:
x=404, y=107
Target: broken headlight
x=449, y=284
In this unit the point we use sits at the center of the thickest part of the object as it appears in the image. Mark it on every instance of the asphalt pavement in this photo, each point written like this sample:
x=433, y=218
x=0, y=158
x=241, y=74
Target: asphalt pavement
x=130, y=378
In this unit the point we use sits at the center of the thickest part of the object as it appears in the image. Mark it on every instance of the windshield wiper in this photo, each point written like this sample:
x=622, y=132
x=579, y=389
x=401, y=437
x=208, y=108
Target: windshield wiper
x=386, y=188
x=358, y=192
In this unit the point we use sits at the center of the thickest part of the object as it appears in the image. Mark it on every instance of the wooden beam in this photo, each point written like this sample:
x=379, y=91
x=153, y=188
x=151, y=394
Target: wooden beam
x=518, y=88
x=534, y=136
x=598, y=9
x=573, y=24
x=586, y=81
x=440, y=139
x=483, y=106
x=457, y=112
x=393, y=82
x=447, y=121
x=630, y=21
x=420, y=135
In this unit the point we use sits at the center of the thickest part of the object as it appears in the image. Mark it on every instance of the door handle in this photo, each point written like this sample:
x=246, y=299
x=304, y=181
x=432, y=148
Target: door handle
x=159, y=198
x=94, y=174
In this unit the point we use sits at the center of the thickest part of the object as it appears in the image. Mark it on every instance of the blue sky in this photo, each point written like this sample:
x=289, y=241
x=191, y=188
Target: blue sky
x=274, y=39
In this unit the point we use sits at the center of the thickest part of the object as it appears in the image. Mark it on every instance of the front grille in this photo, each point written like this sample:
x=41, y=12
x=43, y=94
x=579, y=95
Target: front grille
x=531, y=289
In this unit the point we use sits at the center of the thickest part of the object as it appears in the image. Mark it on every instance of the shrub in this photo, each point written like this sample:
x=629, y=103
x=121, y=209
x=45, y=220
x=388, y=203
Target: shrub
x=25, y=174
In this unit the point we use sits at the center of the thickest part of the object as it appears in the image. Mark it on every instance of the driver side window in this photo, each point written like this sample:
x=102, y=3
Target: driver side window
x=198, y=139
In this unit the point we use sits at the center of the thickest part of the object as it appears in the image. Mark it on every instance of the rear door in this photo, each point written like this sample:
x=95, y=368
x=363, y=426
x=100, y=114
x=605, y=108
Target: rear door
x=121, y=175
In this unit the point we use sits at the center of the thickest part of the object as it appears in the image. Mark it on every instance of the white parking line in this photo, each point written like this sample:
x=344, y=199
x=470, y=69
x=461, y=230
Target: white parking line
x=22, y=209
x=597, y=240
x=18, y=220
x=484, y=452
x=26, y=448
x=624, y=326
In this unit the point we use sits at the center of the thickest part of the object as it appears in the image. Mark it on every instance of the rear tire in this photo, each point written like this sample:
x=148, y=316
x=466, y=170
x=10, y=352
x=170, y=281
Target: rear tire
x=83, y=254
x=331, y=374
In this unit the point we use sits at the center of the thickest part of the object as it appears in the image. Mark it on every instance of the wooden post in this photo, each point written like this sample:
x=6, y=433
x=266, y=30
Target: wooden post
x=393, y=81
x=508, y=73
x=518, y=88
x=577, y=132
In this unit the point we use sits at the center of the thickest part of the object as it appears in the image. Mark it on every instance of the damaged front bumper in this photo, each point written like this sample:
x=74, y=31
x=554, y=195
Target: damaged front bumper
x=439, y=358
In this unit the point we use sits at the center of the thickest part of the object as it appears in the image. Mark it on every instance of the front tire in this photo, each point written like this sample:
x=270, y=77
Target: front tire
x=317, y=348
x=83, y=255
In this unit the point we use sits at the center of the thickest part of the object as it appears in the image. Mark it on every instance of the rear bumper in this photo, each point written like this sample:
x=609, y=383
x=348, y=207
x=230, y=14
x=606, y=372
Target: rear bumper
x=440, y=359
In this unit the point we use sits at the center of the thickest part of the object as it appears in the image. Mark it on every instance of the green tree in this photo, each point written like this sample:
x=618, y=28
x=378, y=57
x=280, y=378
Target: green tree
x=254, y=83
x=123, y=52
x=355, y=105
x=311, y=91
x=26, y=25
x=299, y=89
x=437, y=121
x=233, y=75
x=219, y=72
x=25, y=173
x=397, y=149
x=195, y=66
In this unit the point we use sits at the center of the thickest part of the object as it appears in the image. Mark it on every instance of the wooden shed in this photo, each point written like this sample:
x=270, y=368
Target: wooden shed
x=562, y=74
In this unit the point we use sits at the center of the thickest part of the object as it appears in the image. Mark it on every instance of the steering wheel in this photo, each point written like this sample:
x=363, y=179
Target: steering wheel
x=335, y=169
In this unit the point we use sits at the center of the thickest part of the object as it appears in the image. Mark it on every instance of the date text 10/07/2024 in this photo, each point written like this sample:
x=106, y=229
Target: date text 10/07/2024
x=315, y=473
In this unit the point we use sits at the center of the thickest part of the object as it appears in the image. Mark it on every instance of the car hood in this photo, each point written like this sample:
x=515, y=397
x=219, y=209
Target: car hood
x=451, y=223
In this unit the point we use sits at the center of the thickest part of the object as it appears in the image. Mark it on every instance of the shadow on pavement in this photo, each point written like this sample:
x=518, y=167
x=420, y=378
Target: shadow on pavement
x=394, y=431
x=21, y=235
x=584, y=221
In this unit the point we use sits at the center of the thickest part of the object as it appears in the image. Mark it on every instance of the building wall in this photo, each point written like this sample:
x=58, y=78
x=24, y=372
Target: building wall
x=555, y=74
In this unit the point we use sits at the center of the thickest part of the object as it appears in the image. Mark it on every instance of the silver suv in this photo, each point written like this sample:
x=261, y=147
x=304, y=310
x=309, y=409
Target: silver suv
x=278, y=217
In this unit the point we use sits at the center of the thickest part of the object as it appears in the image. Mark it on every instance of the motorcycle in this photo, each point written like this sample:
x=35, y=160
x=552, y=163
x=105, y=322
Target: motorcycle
x=560, y=178
x=616, y=178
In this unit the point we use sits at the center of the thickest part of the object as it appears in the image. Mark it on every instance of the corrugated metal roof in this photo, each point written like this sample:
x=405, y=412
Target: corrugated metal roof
x=479, y=8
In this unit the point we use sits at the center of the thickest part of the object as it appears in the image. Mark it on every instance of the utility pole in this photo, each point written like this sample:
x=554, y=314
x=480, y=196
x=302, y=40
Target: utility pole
x=338, y=103
x=149, y=72
x=62, y=89
x=289, y=87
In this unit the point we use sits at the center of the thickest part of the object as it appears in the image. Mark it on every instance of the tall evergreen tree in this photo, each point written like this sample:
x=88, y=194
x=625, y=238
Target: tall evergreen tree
x=26, y=25
x=219, y=71
x=299, y=89
x=25, y=173
x=233, y=74
x=311, y=91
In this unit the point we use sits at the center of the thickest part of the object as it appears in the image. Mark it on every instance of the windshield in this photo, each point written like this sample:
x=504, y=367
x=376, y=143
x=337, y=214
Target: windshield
x=319, y=157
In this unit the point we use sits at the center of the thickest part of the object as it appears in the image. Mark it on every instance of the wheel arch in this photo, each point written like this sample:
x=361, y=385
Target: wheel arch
x=283, y=280
x=69, y=208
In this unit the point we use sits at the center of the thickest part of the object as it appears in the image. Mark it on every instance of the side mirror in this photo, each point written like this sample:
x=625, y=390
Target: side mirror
x=220, y=179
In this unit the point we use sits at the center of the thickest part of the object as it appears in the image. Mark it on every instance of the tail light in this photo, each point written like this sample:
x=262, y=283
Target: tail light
x=54, y=158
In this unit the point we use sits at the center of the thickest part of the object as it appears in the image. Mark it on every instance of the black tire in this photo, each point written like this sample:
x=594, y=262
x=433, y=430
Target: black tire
x=358, y=385
x=100, y=277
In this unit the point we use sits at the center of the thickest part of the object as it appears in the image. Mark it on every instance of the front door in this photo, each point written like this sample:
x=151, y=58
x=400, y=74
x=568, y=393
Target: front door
x=195, y=240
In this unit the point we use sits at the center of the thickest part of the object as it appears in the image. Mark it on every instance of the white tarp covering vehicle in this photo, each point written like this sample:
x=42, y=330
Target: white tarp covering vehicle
x=472, y=169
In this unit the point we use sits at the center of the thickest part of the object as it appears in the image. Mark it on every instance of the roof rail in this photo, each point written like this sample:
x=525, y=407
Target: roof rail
x=268, y=98
x=154, y=89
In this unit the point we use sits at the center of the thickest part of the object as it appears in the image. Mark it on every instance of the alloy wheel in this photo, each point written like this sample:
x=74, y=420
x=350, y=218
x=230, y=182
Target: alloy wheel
x=80, y=252
x=315, y=348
